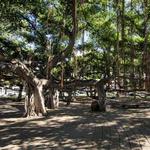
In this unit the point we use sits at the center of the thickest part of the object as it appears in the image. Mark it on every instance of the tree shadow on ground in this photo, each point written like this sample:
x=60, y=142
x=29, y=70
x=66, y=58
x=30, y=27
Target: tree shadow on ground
x=75, y=127
x=11, y=109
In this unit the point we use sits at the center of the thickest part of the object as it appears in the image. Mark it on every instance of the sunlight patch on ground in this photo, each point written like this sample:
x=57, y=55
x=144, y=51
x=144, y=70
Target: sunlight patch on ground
x=55, y=121
x=17, y=120
x=11, y=147
x=66, y=118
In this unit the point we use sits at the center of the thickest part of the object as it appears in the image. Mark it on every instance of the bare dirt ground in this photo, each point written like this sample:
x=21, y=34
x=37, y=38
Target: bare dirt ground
x=74, y=127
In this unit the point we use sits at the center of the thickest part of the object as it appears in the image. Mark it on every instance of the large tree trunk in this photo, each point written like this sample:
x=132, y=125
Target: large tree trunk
x=34, y=102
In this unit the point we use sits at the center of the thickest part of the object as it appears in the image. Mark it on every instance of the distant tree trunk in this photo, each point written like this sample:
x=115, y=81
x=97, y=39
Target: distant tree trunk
x=146, y=53
x=141, y=80
x=52, y=101
x=107, y=62
x=101, y=98
x=123, y=42
x=69, y=98
x=117, y=46
x=20, y=92
x=101, y=94
x=132, y=57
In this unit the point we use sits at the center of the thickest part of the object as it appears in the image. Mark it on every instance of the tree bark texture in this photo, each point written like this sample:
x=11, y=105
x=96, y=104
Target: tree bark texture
x=34, y=105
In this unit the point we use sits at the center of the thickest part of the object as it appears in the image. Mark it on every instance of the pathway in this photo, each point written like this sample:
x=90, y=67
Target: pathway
x=74, y=127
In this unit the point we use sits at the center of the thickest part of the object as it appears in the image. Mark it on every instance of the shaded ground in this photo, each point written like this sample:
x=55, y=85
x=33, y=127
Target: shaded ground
x=74, y=127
